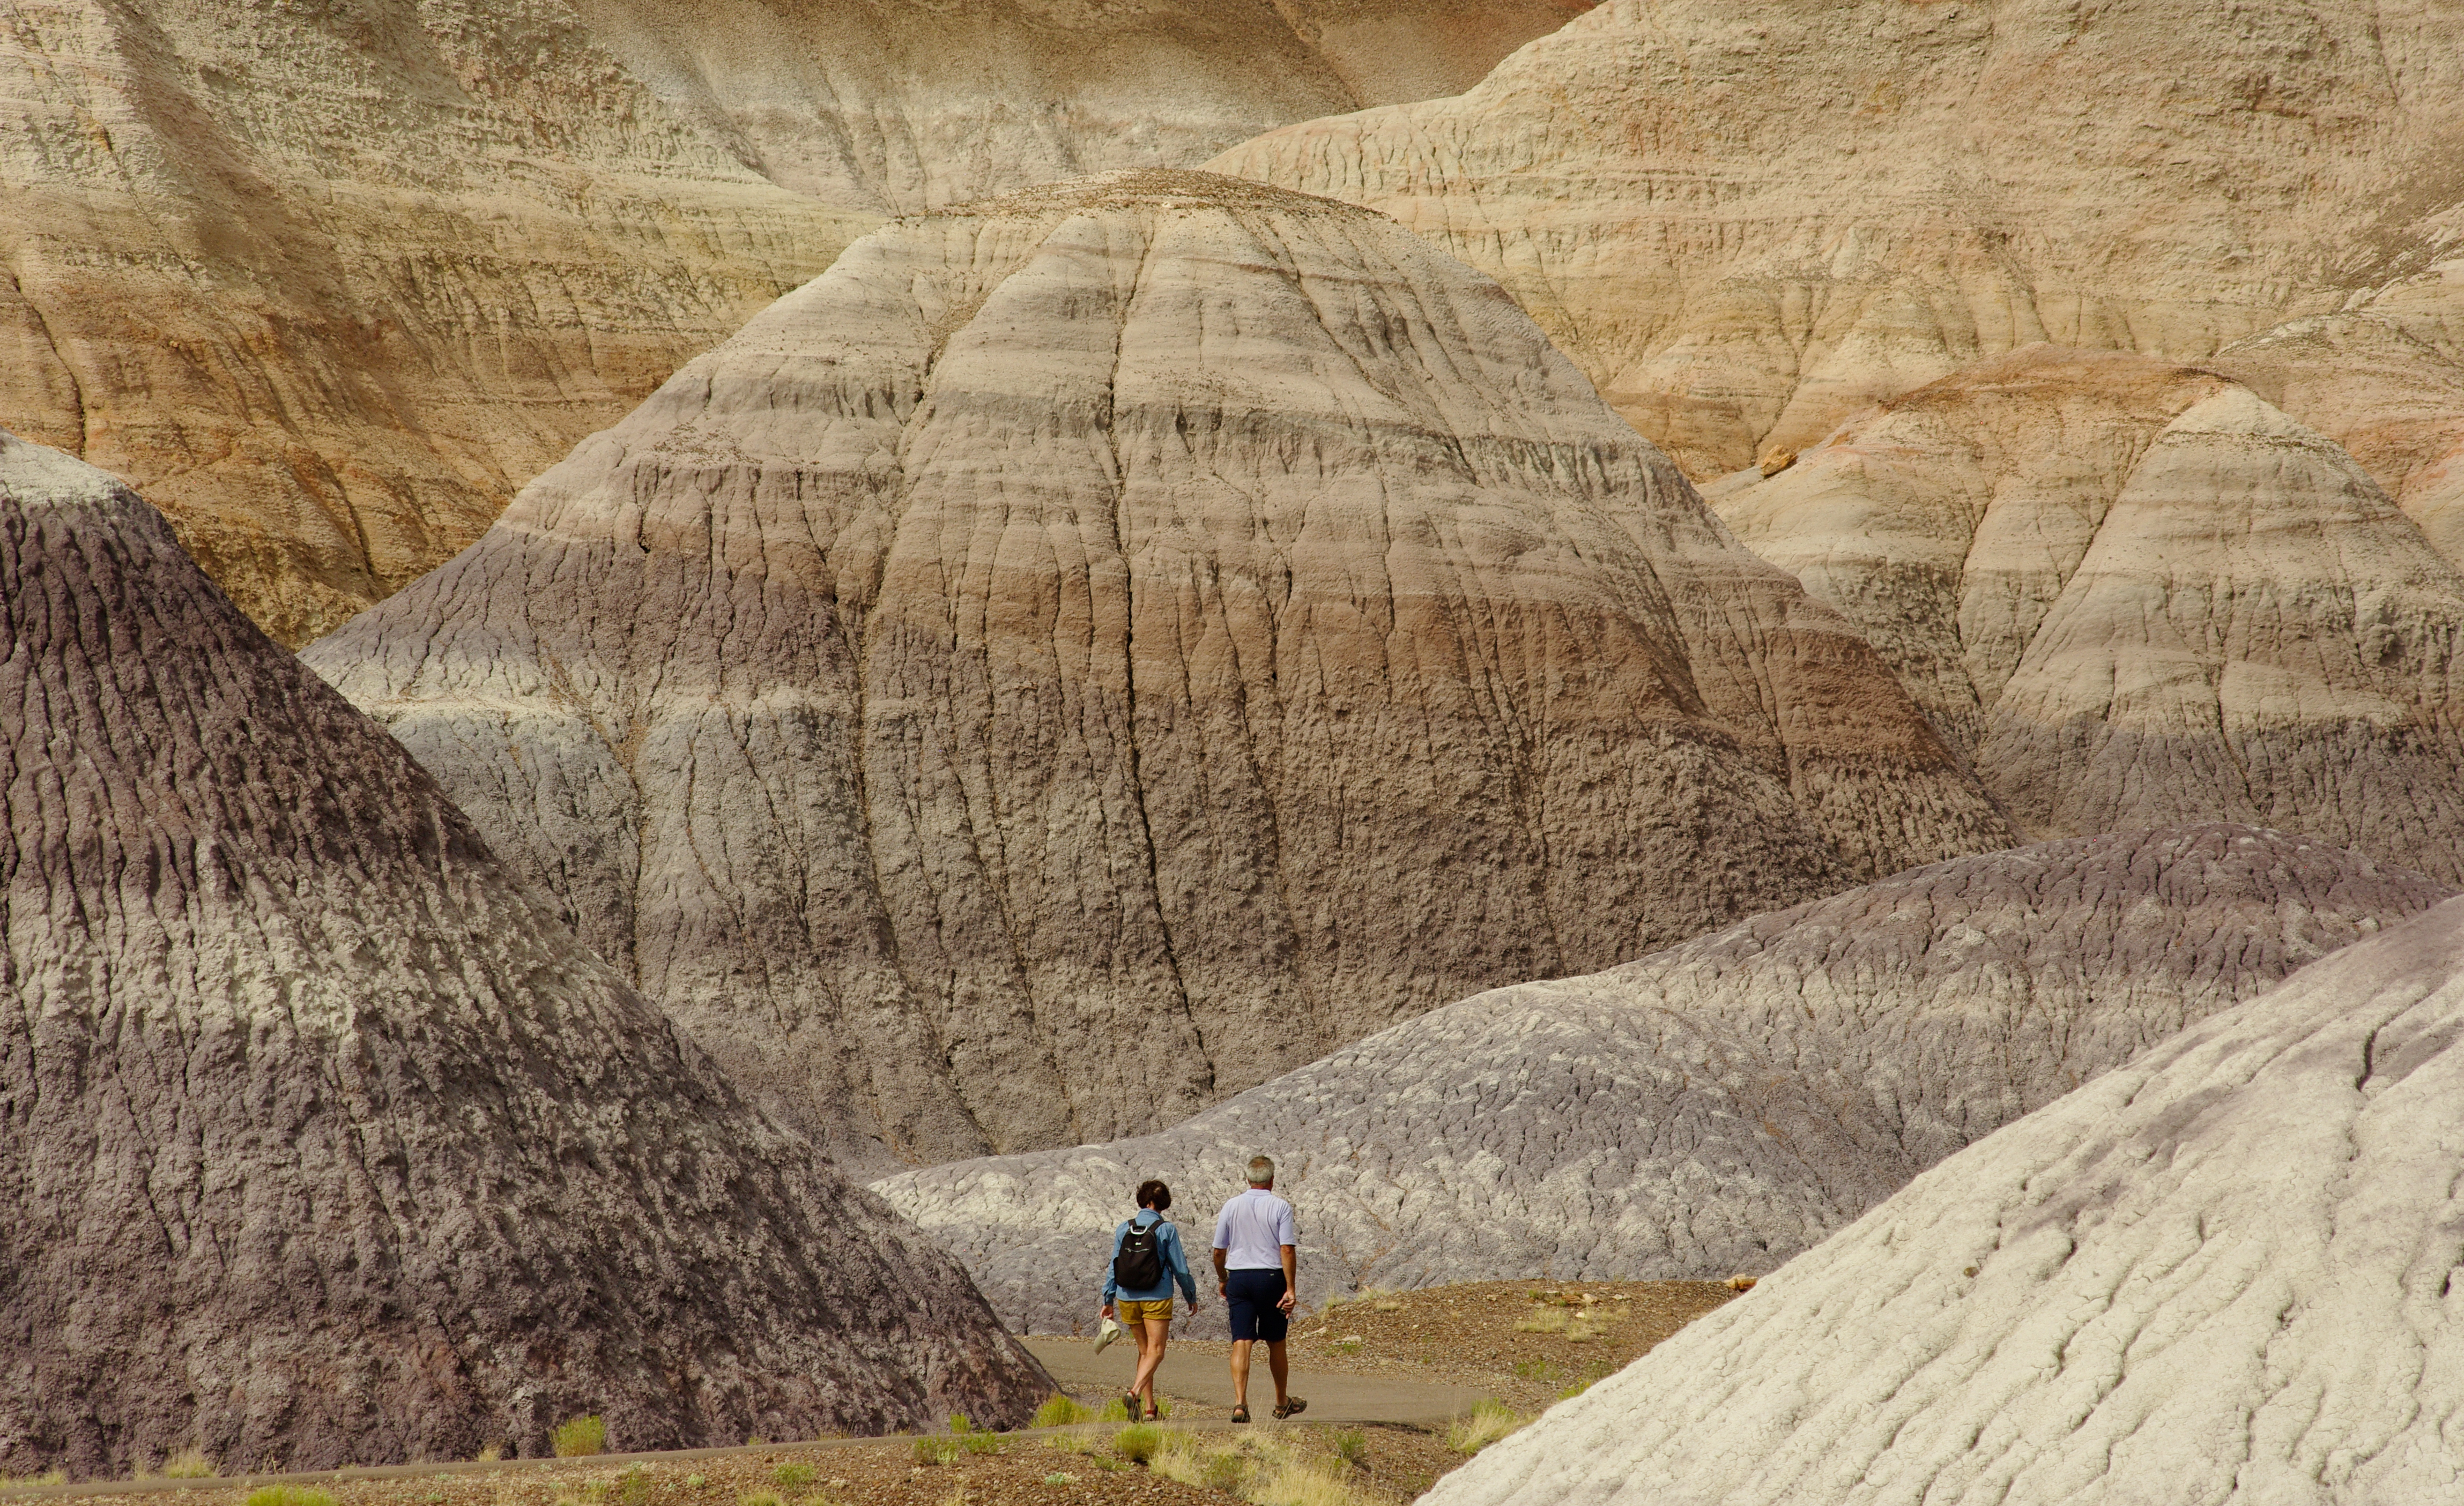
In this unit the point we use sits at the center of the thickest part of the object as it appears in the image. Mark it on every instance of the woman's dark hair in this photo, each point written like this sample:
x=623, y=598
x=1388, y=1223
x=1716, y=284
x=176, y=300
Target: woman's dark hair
x=1153, y=1194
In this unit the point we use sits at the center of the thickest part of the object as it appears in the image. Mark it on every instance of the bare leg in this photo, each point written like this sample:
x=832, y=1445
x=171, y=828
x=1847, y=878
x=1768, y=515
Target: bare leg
x=1154, y=1334
x=1138, y=1332
x=1240, y=1372
x=1281, y=1368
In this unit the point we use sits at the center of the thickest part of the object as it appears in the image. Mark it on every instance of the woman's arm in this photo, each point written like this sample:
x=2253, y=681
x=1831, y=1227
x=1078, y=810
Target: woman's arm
x=1180, y=1267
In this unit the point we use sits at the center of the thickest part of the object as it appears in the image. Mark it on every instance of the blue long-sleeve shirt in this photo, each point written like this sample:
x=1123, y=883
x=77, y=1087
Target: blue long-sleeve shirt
x=1168, y=1251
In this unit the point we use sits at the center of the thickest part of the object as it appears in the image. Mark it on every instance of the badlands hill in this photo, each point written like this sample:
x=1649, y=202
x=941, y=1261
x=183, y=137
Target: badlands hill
x=2135, y=594
x=331, y=282
x=1745, y=220
x=321, y=1142
x=1719, y=1106
x=1092, y=651
x=2226, y=1272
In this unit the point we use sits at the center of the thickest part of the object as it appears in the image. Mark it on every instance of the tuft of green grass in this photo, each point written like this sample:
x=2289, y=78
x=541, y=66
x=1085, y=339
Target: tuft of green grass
x=935, y=1449
x=1115, y=1410
x=759, y=1499
x=188, y=1464
x=47, y=1477
x=1061, y=1411
x=633, y=1487
x=1542, y=1320
x=1228, y=1472
x=578, y=1437
x=983, y=1443
x=1352, y=1448
x=1294, y=1483
x=697, y=1481
x=1138, y=1443
x=287, y=1496
x=793, y=1478
x=1061, y=1477
x=1490, y=1420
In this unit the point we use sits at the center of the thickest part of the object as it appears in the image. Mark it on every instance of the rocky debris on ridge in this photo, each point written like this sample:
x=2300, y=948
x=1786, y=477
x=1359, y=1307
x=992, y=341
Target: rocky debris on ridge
x=2226, y=1271
x=330, y=283
x=1089, y=653
x=2134, y=594
x=1745, y=220
x=1715, y=1108
x=321, y=1141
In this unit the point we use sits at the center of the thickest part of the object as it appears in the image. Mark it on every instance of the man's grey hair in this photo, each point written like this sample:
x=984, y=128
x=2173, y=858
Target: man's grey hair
x=1262, y=1171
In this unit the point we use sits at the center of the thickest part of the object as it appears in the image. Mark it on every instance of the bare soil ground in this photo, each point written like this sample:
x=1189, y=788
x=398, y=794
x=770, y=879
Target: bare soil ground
x=1523, y=1343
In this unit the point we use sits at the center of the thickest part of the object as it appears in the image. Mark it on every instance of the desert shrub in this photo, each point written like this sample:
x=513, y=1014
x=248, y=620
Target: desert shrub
x=1542, y=1320
x=982, y=1443
x=1138, y=1443
x=47, y=1477
x=959, y=1425
x=1115, y=1410
x=577, y=1437
x=633, y=1489
x=697, y=1481
x=1061, y=1477
x=931, y=1448
x=1489, y=1421
x=287, y=1496
x=1061, y=1411
x=793, y=1477
x=1352, y=1448
x=491, y=1452
x=758, y=1498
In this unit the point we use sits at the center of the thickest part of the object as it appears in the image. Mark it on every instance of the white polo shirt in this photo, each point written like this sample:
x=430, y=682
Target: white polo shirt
x=1252, y=1230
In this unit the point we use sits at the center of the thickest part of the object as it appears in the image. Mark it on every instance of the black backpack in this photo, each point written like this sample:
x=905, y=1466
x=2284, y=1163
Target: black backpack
x=1138, y=1267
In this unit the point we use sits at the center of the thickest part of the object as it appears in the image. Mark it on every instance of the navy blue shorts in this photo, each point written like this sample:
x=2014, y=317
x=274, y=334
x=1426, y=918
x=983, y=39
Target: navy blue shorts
x=1251, y=1297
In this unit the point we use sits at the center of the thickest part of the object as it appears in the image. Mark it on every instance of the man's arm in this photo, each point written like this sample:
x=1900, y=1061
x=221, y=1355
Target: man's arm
x=1291, y=1278
x=1222, y=1273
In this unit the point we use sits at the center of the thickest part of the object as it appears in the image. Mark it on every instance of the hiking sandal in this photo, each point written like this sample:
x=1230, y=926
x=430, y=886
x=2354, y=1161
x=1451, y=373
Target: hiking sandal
x=1130, y=1406
x=1291, y=1407
x=1239, y=1414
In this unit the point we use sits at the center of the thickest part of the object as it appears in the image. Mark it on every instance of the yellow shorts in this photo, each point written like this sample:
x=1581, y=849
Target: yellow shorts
x=1143, y=1312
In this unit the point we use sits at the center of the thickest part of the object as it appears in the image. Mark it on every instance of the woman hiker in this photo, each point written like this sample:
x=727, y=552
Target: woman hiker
x=1146, y=1261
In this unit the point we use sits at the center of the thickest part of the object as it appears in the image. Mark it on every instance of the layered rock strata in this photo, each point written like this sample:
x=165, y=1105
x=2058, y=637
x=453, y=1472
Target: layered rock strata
x=2383, y=377
x=1717, y=1108
x=330, y=283
x=2136, y=594
x=897, y=108
x=1088, y=654
x=2225, y=1272
x=321, y=1142
x=1746, y=220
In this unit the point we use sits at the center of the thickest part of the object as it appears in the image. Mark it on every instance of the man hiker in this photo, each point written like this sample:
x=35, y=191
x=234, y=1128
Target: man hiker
x=1257, y=1270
